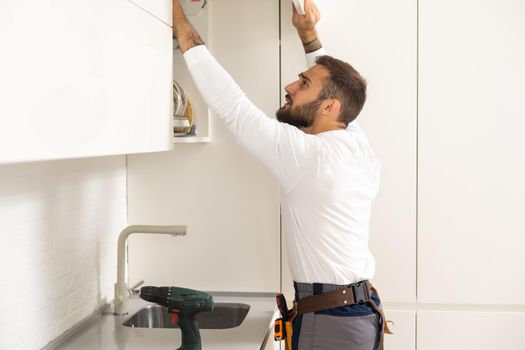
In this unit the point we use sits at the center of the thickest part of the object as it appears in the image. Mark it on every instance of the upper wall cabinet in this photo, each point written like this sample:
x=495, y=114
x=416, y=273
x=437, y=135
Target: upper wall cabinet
x=83, y=78
x=383, y=48
x=161, y=9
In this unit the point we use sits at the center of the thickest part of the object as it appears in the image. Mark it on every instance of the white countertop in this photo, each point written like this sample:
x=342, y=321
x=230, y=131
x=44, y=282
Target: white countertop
x=107, y=332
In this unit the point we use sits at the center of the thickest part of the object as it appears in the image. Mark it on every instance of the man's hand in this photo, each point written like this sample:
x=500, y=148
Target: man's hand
x=186, y=35
x=305, y=25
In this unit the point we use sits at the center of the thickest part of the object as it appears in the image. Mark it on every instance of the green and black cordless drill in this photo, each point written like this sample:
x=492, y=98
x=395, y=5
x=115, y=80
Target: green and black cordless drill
x=184, y=304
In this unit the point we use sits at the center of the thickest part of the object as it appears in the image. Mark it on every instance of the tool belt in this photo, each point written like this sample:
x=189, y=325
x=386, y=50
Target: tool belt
x=357, y=293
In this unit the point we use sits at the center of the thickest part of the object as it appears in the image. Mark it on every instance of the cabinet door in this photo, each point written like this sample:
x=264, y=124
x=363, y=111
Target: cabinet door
x=471, y=152
x=83, y=78
x=404, y=328
x=459, y=330
x=383, y=48
x=161, y=9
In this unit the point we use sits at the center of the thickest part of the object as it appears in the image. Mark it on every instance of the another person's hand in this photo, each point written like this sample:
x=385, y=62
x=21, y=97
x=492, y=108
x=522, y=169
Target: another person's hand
x=305, y=24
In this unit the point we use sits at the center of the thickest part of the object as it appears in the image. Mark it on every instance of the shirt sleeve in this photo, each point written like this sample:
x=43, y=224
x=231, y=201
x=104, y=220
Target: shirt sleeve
x=283, y=148
x=310, y=57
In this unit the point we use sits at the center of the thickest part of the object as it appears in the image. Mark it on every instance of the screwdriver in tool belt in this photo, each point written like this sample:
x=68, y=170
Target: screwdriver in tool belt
x=283, y=308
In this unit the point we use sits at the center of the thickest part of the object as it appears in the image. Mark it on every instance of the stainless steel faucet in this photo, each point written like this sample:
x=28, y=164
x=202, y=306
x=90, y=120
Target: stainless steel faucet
x=122, y=292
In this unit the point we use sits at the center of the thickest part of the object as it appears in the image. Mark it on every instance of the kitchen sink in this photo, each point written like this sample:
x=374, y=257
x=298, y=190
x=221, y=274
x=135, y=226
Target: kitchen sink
x=223, y=316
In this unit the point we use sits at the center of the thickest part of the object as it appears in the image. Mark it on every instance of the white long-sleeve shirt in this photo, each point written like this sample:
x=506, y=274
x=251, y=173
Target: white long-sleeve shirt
x=327, y=181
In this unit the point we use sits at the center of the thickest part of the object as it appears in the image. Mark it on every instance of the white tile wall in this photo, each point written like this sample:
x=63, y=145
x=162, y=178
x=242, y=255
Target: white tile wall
x=59, y=223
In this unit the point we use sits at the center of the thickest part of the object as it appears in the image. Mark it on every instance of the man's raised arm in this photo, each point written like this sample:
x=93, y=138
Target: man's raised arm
x=282, y=148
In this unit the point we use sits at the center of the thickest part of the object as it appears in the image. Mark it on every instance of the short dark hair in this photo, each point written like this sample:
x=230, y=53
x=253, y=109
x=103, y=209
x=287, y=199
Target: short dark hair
x=344, y=84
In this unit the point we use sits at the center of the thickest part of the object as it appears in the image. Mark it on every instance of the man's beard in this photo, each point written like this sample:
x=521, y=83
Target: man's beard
x=301, y=117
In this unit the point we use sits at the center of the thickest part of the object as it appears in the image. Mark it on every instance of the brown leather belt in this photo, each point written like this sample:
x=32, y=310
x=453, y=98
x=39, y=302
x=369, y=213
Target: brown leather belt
x=357, y=293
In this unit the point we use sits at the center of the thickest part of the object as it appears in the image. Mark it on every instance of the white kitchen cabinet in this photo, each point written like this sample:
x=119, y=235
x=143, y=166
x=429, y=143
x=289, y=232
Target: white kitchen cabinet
x=459, y=330
x=404, y=329
x=83, y=78
x=471, y=152
x=198, y=14
x=161, y=9
x=383, y=47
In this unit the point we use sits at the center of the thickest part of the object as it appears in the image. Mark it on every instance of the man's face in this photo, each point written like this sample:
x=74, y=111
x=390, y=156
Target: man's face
x=302, y=98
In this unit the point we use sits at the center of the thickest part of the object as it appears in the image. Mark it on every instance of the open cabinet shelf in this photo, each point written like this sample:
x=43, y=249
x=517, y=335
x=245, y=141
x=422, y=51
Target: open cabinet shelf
x=191, y=139
x=201, y=113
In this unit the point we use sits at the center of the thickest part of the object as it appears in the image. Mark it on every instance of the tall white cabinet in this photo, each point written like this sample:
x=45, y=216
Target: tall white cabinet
x=471, y=171
x=82, y=78
x=472, y=152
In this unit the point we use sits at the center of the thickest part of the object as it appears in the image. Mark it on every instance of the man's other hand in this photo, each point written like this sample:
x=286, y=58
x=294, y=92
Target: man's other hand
x=305, y=24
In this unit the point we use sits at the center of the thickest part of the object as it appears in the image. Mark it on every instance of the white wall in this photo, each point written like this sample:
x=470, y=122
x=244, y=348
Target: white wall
x=228, y=200
x=59, y=223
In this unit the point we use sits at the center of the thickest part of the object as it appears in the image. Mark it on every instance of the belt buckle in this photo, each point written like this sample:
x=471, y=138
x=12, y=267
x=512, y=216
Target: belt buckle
x=360, y=294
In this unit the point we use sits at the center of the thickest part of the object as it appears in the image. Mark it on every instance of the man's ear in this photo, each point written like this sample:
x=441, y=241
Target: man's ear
x=331, y=106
